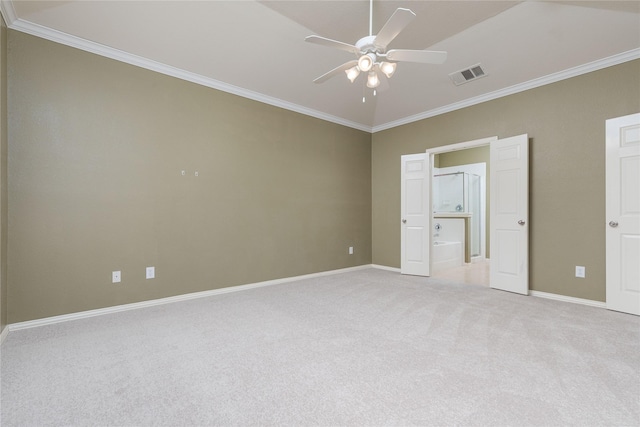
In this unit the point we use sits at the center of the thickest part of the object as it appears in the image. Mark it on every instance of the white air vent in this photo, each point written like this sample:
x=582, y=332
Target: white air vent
x=463, y=76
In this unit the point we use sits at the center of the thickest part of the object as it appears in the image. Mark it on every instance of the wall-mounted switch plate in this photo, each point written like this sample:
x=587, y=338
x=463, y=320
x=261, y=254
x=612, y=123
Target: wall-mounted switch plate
x=183, y=172
x=350, y=250
x=116, y=277
x=151, y=273
x=580, y=271
x=197, y=173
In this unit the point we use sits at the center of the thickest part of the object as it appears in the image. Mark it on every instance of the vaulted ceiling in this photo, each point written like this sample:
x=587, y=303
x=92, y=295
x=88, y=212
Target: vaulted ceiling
x=256, y=49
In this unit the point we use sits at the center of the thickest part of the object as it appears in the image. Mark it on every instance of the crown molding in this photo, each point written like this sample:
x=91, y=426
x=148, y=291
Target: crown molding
x=520, y=87
x=14, y=23
x=139, y=61
x=8, y=12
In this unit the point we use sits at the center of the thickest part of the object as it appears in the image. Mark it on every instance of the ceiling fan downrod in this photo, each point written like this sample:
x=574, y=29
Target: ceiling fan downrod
x=370, y=18
x=372, y=56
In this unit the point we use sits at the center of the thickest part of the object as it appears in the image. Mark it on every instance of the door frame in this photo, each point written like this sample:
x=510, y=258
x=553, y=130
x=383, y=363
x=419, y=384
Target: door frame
x=430, y=160
x=429, y=156
x=463, y=146
x=431, y=152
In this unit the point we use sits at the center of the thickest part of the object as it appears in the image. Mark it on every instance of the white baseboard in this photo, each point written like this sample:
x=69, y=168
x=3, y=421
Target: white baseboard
x=564, y=298
x=4, y=334
x=136, y=305
x=133, y=306
x=384, y=267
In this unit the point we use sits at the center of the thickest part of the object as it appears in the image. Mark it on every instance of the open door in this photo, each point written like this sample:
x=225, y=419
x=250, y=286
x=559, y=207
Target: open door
x=415, y=215
x=509, y=217
x=623, y=213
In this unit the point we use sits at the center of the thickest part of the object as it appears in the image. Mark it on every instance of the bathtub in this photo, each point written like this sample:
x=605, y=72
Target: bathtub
x=446, y=255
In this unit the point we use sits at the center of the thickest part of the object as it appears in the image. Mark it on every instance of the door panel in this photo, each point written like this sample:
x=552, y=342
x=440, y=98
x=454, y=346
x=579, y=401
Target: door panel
x=509, y=260
x=623, y=213
x=510, y=214
x=415, y=214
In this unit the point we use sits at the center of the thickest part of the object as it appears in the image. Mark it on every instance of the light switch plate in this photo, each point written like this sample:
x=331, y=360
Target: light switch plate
x=151, y=272
x=116, y=277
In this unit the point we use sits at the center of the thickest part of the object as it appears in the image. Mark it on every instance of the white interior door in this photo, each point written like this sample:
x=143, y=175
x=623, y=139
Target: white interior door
x=510, y=214
x=623, y=213
x=415, y=215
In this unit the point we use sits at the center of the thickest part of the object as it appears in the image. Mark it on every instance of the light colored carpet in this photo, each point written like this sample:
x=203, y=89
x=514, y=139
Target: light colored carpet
x=369, y=347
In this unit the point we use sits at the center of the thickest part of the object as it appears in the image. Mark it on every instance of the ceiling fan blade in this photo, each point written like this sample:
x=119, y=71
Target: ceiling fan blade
x=400, y=19
x=423, y=56
x=332, y=43
x=323, y=78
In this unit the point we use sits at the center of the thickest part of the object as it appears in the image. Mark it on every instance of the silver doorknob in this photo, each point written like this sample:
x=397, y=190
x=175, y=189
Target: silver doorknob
x=613, y=224
x=521, y=222
x=404, y=221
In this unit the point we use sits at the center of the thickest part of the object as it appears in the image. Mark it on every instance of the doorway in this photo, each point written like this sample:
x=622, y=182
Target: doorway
x=508, y=219
x=460, y=217
x=460, y=202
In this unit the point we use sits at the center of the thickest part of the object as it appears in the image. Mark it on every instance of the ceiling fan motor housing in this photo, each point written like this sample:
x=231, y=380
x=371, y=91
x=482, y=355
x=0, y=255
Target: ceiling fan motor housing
x=365, y=45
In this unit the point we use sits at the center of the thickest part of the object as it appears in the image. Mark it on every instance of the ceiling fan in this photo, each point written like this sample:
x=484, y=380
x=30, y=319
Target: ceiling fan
x=370, y=51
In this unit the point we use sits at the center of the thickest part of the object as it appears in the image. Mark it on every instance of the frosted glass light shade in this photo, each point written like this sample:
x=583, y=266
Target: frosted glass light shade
x=388, y=68
x=373, y=80
x=365, y=63
x=353, y=73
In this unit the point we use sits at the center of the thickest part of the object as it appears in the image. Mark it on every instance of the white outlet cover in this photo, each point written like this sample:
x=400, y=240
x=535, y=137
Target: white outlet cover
x=580, y=271
x=151, y=272
x=116, y=277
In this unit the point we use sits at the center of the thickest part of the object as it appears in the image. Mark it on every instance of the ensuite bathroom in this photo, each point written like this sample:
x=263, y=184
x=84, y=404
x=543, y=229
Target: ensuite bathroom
x=460, y=218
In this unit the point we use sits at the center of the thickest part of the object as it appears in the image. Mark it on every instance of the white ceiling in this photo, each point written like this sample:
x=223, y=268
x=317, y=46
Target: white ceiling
x=256, y=49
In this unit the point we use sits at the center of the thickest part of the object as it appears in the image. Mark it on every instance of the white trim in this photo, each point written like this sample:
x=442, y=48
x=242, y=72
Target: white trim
x=139, y=61
x=520, y=87
x=384, y=267
x=564, y=298
x=143, y=304
x=431, y=152
x=462, y=145
x=14, y=23
x=4, y=334
x=8, y=12
x=195, y=295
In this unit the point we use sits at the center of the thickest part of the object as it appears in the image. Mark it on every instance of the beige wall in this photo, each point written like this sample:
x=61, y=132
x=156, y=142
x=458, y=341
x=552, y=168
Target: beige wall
x=95, y=154
x=467, y=157
x=3, y=174
x=565, y=122
x=96, y=148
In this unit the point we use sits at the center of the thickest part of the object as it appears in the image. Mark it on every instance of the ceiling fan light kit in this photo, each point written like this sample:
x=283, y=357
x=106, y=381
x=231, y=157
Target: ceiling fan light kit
x=388, y=68
x=373, y=81
x=366, y=61
x=371, y=48
x=353, y=73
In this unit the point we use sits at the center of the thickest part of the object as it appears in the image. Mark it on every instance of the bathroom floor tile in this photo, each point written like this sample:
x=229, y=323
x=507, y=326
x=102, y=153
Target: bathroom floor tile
x=476, y=273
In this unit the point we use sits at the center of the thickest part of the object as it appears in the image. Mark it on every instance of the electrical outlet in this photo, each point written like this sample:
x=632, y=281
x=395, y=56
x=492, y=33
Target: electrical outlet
x=350, y=250
x=580, y=271
x=116, y=277
x=151, y=273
